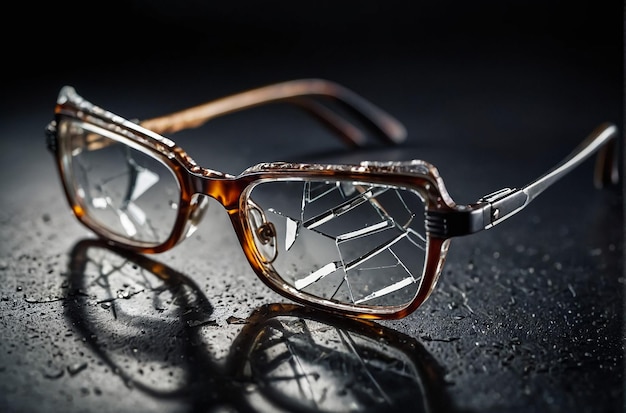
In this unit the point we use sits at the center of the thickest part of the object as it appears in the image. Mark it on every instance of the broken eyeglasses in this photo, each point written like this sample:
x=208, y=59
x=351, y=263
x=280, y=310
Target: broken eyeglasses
x=366, y=240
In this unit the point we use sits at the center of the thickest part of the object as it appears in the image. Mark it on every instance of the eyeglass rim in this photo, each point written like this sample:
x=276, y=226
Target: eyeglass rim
x=416, y=175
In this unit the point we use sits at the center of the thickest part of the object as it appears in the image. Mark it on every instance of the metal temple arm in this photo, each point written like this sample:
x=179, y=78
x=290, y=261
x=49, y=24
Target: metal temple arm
x=494, y=208
x=300, y=92
x=507, y=202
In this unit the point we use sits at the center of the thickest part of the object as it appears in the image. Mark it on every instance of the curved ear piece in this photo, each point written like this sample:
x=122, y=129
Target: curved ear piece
x=607, y=165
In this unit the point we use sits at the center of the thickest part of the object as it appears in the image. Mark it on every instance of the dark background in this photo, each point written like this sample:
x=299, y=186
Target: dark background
x=454, y=73
x=147, y=40
x=527, y=316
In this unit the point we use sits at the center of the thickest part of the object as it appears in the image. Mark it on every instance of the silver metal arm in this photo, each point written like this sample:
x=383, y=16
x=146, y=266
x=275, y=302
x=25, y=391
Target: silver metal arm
x=597, y=139
x=507, y=202
x=494, y=208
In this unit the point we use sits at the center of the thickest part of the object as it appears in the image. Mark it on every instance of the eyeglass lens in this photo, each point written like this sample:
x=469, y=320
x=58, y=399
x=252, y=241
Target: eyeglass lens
x=355, y=243
x=120, y=188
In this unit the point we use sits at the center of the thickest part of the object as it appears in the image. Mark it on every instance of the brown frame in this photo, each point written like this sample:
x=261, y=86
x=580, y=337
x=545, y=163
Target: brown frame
x=444, y=218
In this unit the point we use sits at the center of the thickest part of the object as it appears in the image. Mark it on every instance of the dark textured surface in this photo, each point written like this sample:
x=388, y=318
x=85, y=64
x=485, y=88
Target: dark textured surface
x=527, y=316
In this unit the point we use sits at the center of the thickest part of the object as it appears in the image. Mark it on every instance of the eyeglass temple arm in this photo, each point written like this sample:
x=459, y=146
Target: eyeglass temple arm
x=299, y=92
x=494, y=208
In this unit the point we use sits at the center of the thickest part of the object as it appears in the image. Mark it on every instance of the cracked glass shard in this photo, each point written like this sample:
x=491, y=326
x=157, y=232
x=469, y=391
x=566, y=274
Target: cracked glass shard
x=353, y=242
x=122, y=189
x=310, y=365
x=291, y=232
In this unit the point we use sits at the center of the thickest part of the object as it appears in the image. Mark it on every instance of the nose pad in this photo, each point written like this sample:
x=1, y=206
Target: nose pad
x=263, y=233
x=198, y=207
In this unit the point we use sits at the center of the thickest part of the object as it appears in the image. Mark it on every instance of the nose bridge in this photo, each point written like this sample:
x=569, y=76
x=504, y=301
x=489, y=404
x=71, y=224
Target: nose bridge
x=226, y=190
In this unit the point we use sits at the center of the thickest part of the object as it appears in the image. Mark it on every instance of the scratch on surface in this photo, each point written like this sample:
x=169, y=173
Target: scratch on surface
x=441, y=340
x=52, y=300
x=571, y=289
x=464, y=297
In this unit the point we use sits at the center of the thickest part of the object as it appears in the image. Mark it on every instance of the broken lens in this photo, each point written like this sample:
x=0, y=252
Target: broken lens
x=116, y=186
x=355, y=243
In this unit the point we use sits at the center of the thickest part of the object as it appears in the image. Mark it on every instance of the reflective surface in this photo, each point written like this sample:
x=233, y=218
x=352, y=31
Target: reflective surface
x=285, y=358
x=528, y=317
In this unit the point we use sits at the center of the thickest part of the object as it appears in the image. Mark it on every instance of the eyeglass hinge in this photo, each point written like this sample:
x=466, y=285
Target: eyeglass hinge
x=453, y=223
x=490, y=210
x=502, y=204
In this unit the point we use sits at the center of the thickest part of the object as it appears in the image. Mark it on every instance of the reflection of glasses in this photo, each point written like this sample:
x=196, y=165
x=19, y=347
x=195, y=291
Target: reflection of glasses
x=366, y=240
x=284, y=357
x=307, y=362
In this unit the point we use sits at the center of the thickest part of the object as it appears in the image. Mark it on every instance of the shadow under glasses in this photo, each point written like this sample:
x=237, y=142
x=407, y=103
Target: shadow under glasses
x=143, y=319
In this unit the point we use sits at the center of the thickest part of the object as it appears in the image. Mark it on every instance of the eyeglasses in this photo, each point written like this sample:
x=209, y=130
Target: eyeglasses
x=366, y=240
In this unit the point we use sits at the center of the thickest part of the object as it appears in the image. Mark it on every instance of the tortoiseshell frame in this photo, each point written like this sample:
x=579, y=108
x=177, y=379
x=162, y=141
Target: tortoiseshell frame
x=444, y=218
